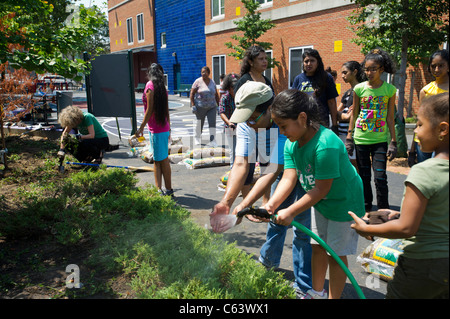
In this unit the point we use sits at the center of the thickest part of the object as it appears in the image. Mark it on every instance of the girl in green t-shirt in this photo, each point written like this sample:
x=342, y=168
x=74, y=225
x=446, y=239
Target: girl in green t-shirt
x=373, y=114
x=317, y=157
x=422, y=269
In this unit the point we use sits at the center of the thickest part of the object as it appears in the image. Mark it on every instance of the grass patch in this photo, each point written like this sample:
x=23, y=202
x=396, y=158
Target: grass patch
x=136, y=234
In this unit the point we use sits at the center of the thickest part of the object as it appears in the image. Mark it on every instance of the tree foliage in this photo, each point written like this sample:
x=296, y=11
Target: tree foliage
x=253, y=27
x=43, y=36
x=410, y=30
x=384, y=23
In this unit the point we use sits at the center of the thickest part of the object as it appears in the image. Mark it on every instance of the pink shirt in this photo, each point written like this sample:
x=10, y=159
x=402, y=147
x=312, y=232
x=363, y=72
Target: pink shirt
x=152, y=125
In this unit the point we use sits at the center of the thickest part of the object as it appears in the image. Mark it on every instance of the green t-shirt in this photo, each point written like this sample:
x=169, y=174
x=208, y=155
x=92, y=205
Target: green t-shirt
x=431, y=240
x=88, y=120
x=371, y=126
x=325, y=157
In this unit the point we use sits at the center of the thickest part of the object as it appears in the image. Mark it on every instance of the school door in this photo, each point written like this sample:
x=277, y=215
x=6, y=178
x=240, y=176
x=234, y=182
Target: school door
x=176, y=76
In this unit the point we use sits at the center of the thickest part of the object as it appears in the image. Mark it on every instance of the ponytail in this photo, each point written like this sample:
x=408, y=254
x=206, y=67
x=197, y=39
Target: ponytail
x=290, y=103
x=382, y=58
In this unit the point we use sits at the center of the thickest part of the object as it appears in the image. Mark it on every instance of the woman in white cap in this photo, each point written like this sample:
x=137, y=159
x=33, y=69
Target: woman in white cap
x=259, y=138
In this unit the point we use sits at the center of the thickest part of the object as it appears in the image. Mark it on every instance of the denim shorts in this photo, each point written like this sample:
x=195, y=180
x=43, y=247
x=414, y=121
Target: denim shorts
x=159, y=145
x=341, y=238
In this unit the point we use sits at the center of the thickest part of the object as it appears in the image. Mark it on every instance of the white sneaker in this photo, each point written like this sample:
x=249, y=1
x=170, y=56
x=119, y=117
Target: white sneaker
x=310, y=294
x=197, y=141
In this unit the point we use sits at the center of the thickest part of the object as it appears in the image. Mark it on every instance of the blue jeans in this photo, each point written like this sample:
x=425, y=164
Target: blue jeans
x=422, y=156
x=272, y=249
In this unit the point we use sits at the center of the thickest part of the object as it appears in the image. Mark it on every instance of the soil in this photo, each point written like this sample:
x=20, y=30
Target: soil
x=34, y=268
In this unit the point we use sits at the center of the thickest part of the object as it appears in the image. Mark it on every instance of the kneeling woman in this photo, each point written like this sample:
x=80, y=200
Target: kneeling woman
x=317, y=157
x=93, y=139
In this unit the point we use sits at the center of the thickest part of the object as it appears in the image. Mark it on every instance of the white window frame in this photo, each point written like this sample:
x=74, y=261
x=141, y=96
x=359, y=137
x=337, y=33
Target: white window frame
x=265, y=3
x=221, y=4
x=130, y=31
x=140, y=27
x=163, y=38
x=214, y=75
x=291, y=75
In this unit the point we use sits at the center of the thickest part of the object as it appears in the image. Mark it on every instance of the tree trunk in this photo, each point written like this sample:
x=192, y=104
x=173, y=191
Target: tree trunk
x=5, y=163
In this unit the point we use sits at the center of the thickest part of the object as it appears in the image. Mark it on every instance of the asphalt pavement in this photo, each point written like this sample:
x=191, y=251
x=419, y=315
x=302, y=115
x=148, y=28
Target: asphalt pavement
x=197, y=191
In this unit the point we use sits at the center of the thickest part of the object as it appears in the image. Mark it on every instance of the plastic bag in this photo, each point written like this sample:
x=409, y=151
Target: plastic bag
x=380, y=257
x=222, y=222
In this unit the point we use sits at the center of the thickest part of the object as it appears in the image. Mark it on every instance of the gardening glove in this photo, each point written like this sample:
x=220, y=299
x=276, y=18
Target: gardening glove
x=412, y=159
x=61, y=153
x=349, y=145
x=392, y=151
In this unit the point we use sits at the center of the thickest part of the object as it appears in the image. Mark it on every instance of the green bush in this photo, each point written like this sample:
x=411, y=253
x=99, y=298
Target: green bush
x=142, y=234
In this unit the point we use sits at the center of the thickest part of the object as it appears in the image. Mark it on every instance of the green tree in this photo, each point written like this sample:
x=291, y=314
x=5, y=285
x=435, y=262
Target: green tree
x=410, y=30
x=37, y=37
x=253, y=27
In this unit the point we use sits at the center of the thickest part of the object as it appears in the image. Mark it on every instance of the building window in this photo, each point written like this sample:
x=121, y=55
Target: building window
x=140, y=27
x=296, y=62
x=218, y=8
x=130, y=30
x=163, y=40
x=268, y=72
x=218, y=67
x=263, y=2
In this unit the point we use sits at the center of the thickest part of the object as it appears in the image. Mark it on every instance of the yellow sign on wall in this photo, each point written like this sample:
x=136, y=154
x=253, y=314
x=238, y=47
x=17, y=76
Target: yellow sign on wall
x=338, y=46
x=338, y=88
x=238, y=11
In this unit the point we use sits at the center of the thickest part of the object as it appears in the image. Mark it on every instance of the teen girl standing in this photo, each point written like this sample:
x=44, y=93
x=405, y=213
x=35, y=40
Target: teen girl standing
x=317, y=82
x=438, y=66
x=373, y=115
x=422, y=269
x=352, y=74
x=156, y=108
x=317, y=158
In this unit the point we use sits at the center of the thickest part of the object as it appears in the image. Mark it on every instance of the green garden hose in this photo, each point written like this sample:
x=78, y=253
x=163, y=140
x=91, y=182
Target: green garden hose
x=264, y=214
x=333, y=254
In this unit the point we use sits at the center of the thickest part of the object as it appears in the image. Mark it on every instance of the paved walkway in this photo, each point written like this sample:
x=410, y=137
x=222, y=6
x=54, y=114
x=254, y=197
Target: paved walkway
x=196, y=190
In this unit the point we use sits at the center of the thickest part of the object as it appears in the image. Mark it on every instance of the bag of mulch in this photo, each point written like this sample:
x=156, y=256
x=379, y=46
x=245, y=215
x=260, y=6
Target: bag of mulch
x=147, y=156
x=380, y=257
x=198, y=153
x=136, y=142
x=176, y=158
x=224, y=178
x=192, y=163
x=177, y=149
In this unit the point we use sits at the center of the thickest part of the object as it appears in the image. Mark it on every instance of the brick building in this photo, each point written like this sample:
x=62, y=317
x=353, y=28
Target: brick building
x=300, y=24
x=131, y=27
x=170, y=32
x=184, y=35
x=180, y=40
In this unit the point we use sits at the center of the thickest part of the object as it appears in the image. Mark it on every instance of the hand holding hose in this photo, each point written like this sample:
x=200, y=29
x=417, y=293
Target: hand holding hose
x=283, y=217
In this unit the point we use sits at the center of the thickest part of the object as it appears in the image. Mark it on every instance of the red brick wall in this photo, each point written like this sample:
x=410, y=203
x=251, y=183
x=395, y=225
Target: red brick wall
x=320, y=29
x=118, y=24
